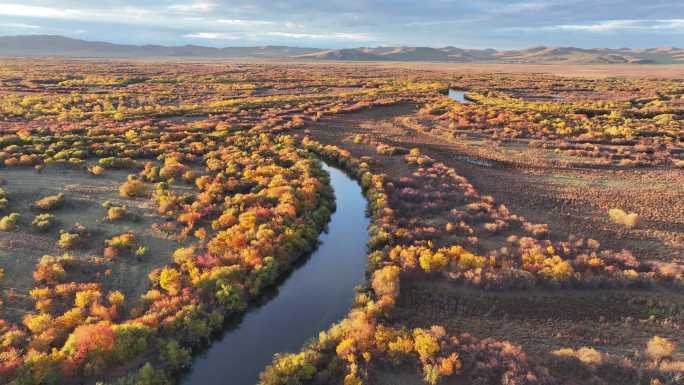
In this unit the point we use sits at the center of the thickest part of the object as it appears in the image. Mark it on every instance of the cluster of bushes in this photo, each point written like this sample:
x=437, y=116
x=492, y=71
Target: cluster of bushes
x=362, y=343
x=574, y=262
x=259, y=203
x=352, y=348
x=258, y=206
x=172, y=94
x=117, y=163
x=634, y=131
x=655, y=364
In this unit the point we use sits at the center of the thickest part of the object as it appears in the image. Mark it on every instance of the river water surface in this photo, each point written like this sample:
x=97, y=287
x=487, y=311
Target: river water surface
x=316, y=295
x=459, y=96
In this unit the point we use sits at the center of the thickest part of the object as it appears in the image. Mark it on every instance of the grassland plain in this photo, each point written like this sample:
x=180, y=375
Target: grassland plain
x=532, y=236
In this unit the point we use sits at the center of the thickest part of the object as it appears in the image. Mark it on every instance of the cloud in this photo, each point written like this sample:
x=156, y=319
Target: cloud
x=159, y=18
x=613, y=26
x=676, y=24
x=435, y=23
x=193, y=7
x=334, y=35
x=215, y=35
x=604, y=26
x=522, y=7
x=124, y=13
x=19, y=26
x=278, y=34
x=10, y=9
x=177, y=16
x=245, y=23
x=345, y=23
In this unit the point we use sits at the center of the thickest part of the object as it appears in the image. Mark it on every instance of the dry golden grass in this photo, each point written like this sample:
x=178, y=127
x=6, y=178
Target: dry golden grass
x=628, y=220
x=667, y=71
x=659, y=348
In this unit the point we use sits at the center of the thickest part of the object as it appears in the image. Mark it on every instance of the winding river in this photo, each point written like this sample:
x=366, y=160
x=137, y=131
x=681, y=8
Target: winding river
x=315, y=295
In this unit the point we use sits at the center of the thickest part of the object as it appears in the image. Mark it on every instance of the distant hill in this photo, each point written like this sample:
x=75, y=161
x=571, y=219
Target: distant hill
x=536, y=55
x=446, y=54
x=46, y=45
x=572, y=55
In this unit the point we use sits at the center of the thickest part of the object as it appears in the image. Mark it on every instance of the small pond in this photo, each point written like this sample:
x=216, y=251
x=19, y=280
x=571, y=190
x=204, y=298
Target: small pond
x=459, y=96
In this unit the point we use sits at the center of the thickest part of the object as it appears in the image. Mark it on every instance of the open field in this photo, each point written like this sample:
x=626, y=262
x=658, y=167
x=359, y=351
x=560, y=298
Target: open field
x=527, y=229
x=672, y=71
x=85, y=195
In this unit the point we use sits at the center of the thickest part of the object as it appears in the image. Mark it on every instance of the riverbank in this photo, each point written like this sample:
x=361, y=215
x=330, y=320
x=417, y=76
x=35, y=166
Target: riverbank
x=316, y=294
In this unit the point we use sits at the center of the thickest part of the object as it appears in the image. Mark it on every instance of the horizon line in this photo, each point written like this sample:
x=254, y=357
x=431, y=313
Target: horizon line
x=337, y=49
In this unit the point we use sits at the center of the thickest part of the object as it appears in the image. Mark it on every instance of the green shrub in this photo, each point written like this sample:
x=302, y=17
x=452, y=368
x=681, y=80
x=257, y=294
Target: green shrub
x=141, y=251
x=43, y=222
x=175, y=356
x=123, y=241
x=51, y=202
x=116, y=213
x=68, y=241
x=9, y=222
x=96, y=170
x=659, y=348
x=117, y=163
x=121, y=244
x=628, y=220
x=133, y=188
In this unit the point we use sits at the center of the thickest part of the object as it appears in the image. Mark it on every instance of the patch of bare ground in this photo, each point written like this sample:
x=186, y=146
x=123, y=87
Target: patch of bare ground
x=617, y=322
x=673, y=71
x=596, y=71
x=577, y=201
x=21, y=249
x=393, y=375
x=339, y=130
x=571, y=201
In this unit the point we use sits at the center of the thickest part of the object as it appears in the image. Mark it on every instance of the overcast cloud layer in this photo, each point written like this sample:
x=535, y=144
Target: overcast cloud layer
x=353, y=23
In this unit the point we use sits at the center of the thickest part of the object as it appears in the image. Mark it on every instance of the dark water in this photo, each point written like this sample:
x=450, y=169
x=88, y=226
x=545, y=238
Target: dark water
x=459, y=96
x=314, y=296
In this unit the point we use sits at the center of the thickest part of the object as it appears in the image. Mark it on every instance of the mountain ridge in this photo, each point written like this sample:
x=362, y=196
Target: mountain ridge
x=52, y=45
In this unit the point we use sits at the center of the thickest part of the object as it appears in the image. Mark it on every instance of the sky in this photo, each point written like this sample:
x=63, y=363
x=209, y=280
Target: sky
x=354, y=23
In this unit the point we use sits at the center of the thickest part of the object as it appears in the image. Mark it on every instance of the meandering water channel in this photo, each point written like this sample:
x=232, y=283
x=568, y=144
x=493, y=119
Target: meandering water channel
x=317, y=294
